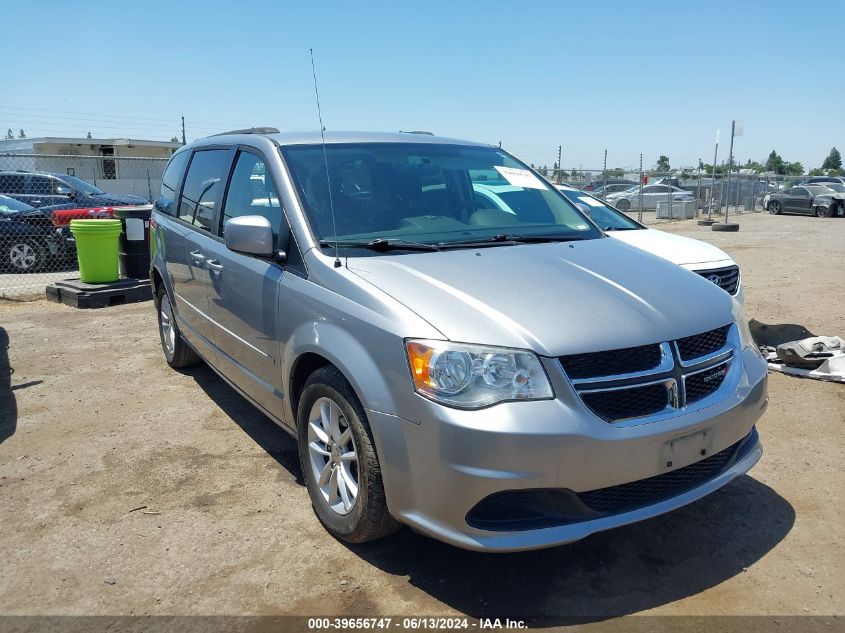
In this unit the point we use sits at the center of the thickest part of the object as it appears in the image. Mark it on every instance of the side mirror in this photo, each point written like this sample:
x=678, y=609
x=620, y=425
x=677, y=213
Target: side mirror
x=251, y=235
x=64, y=191
x=583, y=208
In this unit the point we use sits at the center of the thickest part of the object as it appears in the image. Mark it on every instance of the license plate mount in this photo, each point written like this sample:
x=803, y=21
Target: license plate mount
x=686, y=449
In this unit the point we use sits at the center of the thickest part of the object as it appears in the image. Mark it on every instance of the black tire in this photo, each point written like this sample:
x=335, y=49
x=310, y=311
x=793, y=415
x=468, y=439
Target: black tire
x=24, y=255
x=725, y=228
x=774, y=207
x=179, y=354
x=823, y=212
x=623, y=205
x=368, y=518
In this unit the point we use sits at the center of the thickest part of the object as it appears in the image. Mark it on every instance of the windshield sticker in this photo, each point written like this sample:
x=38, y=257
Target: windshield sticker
x=520, y=177
x=590, y=201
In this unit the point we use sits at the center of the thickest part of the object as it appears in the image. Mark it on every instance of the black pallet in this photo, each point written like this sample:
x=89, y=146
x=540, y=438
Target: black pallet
x=76, y=293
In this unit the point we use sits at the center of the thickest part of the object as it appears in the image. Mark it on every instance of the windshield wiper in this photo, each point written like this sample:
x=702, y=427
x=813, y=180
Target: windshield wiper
x=508, y=239
x=620, y=228
x=381, y=244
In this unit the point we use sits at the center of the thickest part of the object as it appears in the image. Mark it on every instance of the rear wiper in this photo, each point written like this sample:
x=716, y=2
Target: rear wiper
x=381, y=244
x=506, y=239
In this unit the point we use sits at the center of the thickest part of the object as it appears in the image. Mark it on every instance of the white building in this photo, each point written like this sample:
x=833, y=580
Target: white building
x=115, y=165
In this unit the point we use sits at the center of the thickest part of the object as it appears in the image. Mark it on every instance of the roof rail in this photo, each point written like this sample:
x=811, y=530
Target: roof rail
x=416, y=132
x=250, y=130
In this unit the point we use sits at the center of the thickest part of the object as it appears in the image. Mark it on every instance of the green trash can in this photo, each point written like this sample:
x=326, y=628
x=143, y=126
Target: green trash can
x=96, y=249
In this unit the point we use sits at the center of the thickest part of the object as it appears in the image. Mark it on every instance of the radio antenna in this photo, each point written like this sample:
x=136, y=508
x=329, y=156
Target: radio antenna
x=337, y=263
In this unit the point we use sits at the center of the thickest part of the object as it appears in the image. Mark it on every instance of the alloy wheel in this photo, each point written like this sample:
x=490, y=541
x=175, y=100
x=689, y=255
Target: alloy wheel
x=23, y=256
x=168, y=332
x=333, y=455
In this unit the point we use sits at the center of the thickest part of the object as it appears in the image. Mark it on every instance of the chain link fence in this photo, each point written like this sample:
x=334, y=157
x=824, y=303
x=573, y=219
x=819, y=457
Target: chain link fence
x=41, y=193
x=656, y=197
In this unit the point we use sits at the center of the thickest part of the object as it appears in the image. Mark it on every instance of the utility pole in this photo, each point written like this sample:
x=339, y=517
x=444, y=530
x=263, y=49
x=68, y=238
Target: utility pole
x=183, y=130
x=559, y=165
x=640, y=207
x=604, y=176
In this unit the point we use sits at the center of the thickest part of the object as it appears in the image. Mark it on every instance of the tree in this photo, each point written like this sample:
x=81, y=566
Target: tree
x=794, y=169
x=174, y=139
x=89, y=135
x=21, y=134
x=833, y=160
x=775, y=163
x=663, y=163
x=10, y=134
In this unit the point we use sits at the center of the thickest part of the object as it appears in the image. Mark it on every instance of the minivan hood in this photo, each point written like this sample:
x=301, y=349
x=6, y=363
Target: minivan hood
x=555, y=299
x=678, y=249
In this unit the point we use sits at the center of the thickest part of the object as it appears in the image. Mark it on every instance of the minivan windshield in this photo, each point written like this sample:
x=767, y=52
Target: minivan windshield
x=410, y=195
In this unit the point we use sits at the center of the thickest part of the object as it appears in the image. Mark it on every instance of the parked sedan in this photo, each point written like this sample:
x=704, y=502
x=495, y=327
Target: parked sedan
x=798, y=200
x=41, y=189
x=652, y=195
x=700, y=257
x=24, y=246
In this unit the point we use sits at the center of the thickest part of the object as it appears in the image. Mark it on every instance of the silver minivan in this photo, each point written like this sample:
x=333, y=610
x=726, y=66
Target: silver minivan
x=499, y=381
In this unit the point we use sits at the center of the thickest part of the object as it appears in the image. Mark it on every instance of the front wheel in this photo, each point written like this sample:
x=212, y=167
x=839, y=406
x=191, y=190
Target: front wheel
x=774, y=207
x=823, y=212
x=339, y=461
x=623, y=205
x=24, y=255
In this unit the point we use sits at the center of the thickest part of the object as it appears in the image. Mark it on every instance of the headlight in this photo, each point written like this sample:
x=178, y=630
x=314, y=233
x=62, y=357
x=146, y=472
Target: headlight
x=475, y=376
x=744, y=331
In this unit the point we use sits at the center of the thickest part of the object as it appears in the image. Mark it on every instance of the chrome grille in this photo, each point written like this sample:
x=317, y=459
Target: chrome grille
x=621, y=387
x=726, y=278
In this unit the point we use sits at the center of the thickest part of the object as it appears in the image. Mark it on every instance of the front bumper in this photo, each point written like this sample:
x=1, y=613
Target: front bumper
x=440, y=463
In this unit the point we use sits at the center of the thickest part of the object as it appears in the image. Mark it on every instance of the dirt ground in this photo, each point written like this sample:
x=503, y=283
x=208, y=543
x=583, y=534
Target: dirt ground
x=94, y=425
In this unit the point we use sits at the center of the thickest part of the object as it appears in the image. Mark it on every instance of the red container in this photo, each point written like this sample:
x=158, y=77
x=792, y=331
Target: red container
x=62, y=217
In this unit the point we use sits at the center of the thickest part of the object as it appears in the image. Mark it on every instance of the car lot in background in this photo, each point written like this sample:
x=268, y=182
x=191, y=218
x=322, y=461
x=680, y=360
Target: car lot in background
x=652, y=196
x=702, y=258
x=25, y=246
x=801, y=200
x=42, y=189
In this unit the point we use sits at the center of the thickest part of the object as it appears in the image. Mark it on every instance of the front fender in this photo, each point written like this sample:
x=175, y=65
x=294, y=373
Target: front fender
x=373, y=369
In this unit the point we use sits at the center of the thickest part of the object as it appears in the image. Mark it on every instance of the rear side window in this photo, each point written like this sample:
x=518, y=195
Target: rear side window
x=252, y=192
x=170, y=182
x=203, y=187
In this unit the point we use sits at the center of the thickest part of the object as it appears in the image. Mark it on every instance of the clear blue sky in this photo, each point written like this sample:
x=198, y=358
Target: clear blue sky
x=654, y=77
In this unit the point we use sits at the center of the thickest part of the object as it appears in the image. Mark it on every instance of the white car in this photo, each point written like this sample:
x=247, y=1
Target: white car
x=652, y=195
x=700, y=257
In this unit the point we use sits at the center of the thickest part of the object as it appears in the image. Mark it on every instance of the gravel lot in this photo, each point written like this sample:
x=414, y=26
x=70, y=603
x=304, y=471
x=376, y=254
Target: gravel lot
x=94, y=425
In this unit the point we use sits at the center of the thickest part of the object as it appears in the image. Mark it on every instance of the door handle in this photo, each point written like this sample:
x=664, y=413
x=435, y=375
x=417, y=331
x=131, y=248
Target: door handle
x=197, y=258
x=215, y=265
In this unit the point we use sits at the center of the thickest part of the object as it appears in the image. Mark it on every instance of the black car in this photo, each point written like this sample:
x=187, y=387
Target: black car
x=41, y=189
x=799, y=200
x=26, y=244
